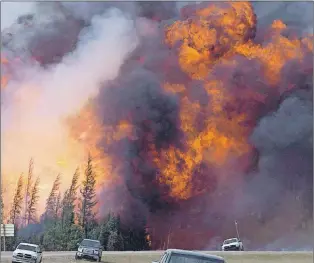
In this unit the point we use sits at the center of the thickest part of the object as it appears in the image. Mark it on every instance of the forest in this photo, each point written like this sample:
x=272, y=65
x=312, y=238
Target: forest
x=68, y=217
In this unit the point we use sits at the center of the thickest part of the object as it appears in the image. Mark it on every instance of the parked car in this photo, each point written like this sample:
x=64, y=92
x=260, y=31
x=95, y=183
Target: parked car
x=26, y=252
x=234, y=244
x=89, y=249
x=185, y=256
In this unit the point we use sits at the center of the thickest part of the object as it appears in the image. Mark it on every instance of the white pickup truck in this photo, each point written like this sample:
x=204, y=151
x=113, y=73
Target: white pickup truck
x=232, y=244
x=26, y=252
x=185, y=256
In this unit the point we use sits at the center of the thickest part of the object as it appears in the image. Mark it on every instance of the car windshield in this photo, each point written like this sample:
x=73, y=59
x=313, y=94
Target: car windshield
x=179, y=258
x=26, y=247
x=232, y=240
x=90, y=243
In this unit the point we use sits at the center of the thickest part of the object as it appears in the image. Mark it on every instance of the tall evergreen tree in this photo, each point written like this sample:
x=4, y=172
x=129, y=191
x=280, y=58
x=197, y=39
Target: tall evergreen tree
x=58, y=206
x=51, y=203
x=115, y=242
x=68, y=203
x=88, y=198
x=71, y=231
x=28, y=190
x=16, y=208
x=32, y=204
x=104, y=232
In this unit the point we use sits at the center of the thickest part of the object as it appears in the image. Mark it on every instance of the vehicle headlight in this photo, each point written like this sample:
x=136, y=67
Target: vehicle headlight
x=34, y=257
x=14, y=254
x=80, y=249
x=95, y=251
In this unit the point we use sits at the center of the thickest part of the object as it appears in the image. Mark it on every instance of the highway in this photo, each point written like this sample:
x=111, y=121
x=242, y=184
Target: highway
x=149, y=256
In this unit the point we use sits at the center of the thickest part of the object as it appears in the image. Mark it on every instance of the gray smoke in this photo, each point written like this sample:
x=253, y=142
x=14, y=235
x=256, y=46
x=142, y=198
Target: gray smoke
x=82, y=48
x=297, y=15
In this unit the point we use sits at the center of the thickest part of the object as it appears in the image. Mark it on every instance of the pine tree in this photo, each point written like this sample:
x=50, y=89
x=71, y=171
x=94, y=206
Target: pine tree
x=115, y=242
x=88, y=199
x=32, y=204
x=68, y=203
x=58, y=207
x=16, y=208
x=28, y=191
x=51, y=202
x=114, y=223
x=105, y=230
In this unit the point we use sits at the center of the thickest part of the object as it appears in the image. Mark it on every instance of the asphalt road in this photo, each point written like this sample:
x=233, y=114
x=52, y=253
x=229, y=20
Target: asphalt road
x=149, y=256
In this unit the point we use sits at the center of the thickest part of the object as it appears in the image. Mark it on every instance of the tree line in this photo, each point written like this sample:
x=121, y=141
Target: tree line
x=68, y=217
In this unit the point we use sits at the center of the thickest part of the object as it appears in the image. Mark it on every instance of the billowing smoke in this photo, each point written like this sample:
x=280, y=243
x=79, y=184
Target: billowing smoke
x=40, y=95
x=197, y=117
x=11, y=11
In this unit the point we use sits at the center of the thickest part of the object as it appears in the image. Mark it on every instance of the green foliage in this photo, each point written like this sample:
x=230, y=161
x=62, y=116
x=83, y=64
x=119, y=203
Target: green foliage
x=68, y=202
x=104, y=232
x=109, y=226
x=115, y=242
x=135, y=239
x=58, y=238
x=59, y=228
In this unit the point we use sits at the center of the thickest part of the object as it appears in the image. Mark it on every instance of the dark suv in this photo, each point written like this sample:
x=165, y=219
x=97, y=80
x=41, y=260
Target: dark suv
x=89, y=249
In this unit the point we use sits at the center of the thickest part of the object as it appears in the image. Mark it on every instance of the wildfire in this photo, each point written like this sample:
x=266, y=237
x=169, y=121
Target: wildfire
x=209, y=33
x=217, y=104
x=86, y=128
x=204, y=42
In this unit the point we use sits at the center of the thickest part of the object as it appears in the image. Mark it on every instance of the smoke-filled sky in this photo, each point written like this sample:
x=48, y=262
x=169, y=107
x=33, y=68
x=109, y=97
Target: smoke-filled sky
x=196, y=115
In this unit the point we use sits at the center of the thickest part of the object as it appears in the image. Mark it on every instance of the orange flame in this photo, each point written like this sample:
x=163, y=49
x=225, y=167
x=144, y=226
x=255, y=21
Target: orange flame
x=202, y=41
x=213, y=33
x=4, y=78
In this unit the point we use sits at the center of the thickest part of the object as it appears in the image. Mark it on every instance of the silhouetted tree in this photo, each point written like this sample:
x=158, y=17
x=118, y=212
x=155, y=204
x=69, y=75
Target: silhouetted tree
x=58, y=207
x=88, y=198
x=32, y=204
x=28, y=189
x=68, y=202
x=51, y=203
x=16, y=208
